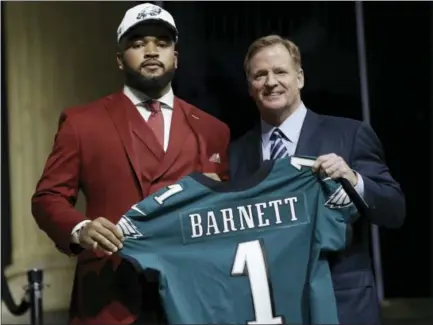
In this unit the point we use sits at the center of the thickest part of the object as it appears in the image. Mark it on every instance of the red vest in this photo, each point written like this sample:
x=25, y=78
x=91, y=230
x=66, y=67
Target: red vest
x=157, y=168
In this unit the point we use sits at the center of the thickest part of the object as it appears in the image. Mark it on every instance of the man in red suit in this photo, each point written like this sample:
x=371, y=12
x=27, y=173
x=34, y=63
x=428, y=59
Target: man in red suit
x=118, y=150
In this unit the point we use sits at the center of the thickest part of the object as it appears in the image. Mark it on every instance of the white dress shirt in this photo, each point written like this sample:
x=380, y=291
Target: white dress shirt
x=291, y=128
x=138, y=98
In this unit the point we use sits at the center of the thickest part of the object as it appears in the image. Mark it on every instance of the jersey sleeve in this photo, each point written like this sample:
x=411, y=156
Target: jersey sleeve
x=137, y=246
x=152, y=226
x=336, y=212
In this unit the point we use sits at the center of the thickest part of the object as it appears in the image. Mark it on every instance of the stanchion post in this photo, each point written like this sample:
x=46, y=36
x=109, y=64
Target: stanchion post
x=362, y=58
x=35, y=279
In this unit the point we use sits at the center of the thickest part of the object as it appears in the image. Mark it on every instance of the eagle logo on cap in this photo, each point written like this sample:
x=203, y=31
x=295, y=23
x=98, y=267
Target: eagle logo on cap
x=151, y=11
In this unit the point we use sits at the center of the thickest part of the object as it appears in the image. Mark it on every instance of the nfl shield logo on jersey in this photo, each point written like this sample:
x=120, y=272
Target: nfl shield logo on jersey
x=128, y=229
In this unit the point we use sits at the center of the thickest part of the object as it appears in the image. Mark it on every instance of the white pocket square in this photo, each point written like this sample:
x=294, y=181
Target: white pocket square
x=215, y=158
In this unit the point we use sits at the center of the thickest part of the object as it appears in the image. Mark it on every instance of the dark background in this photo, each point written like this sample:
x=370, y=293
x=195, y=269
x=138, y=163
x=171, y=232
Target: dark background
x=214, y=37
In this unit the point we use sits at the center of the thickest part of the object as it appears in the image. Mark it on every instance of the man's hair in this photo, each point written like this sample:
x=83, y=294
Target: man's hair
x=271, y=40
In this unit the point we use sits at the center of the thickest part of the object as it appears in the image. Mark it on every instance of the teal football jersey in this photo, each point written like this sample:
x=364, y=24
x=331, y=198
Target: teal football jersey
x=243, y=253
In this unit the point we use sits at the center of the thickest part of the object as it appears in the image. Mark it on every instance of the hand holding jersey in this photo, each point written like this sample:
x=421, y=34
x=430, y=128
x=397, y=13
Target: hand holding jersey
x=102, y=234
x=335, y=167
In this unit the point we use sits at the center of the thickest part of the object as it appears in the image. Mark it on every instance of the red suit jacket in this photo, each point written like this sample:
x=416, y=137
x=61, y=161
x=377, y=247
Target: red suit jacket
x=106, y=149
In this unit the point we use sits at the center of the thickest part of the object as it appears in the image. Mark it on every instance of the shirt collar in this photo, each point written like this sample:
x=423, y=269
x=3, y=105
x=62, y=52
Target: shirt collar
x=291, y=127
x=137, y=97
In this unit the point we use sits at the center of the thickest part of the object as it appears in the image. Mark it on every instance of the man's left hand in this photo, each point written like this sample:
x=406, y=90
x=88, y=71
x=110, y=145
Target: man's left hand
x=335, y=167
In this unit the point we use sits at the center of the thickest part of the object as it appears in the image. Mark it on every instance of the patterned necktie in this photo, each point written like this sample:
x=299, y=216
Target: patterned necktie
x=278, y=149
x=156, y=120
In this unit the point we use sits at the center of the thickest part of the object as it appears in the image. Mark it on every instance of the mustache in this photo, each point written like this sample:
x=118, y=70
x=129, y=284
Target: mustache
x=149, y=62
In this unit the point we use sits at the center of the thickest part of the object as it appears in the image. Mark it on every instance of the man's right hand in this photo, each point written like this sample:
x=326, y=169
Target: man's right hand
x=101, y=234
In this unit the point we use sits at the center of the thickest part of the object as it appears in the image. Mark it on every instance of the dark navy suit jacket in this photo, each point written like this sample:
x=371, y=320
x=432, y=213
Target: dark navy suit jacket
x=359, y=146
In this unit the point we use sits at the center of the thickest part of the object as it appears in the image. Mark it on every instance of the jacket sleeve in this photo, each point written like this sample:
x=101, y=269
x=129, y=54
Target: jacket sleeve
x=57, y=190
x=381, y=192
x=224, y=172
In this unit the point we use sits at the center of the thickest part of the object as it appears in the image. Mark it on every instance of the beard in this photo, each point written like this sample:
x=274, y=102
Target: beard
x=147, y=84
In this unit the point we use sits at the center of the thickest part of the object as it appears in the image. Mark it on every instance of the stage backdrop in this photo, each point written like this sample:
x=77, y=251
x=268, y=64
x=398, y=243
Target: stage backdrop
x=58, y=54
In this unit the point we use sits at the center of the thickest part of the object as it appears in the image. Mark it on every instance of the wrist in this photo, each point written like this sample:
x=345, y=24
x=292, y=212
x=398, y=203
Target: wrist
x=75, y=235
x=354, y=179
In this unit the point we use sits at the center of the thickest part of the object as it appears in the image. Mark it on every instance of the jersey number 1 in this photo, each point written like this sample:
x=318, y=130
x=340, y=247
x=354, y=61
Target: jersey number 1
x=250, y=261
x=171, y=190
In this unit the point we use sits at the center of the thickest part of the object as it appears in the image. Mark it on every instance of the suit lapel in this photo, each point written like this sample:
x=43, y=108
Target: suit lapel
x=308, y=143
x=177, y=137
x=253, y=149
x=117, y=107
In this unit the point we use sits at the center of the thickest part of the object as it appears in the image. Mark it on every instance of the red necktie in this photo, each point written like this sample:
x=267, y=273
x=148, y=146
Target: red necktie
x=156, y=120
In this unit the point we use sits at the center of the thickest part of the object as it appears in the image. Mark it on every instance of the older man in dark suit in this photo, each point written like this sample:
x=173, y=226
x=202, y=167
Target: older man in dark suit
x=343, y=147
